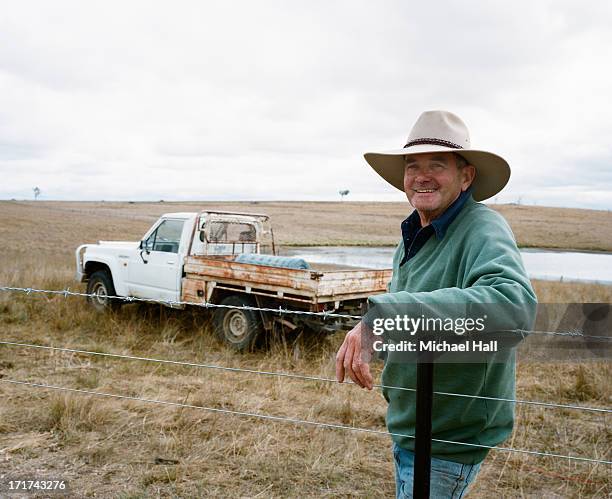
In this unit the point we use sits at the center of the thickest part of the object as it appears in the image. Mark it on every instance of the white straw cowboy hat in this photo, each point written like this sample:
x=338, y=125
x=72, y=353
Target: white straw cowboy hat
x=441, y=131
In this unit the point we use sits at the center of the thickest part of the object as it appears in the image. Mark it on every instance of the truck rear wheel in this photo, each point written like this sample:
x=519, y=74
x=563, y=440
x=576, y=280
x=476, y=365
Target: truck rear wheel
x=101, y=286
x=237, y=328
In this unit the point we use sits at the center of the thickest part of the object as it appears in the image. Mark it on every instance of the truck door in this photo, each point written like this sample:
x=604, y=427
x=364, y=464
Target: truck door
x=153, y=270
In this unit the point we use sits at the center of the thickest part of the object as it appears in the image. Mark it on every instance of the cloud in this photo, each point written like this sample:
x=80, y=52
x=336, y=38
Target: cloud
x=264, y=100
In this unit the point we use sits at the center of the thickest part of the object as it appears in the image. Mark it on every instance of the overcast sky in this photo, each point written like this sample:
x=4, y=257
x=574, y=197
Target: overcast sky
x=280, y=99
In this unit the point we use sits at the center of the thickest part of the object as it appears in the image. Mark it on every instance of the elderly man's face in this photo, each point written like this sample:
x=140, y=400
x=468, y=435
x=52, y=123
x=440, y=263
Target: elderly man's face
x=433, y=181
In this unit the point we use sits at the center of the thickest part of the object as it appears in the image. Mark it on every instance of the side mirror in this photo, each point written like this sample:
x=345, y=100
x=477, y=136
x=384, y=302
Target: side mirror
x=146, y=246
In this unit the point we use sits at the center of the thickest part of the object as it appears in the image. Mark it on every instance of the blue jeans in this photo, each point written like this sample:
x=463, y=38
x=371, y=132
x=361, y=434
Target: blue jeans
x=449, y=480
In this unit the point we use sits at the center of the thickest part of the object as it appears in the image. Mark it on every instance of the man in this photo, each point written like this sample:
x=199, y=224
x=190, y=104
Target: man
x=453, y=250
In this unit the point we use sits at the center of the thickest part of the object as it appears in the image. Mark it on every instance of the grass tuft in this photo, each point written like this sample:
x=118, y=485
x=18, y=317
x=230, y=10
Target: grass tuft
x=73, y=413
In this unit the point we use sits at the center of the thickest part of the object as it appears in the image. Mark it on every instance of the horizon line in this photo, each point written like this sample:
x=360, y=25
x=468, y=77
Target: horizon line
x=256, y=201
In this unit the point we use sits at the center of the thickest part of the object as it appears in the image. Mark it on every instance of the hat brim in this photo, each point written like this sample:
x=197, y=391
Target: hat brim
x=492, y=171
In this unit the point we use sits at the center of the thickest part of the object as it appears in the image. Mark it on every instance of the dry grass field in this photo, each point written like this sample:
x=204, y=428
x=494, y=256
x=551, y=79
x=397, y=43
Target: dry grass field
x=310, y=223
x=130, y=449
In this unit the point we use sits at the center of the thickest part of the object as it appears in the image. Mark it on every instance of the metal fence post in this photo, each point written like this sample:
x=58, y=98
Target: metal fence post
x=422, y=444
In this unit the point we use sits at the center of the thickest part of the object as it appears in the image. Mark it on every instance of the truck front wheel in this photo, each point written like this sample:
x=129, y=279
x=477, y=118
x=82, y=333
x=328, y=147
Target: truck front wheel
x=238, y=328
x=100, y=286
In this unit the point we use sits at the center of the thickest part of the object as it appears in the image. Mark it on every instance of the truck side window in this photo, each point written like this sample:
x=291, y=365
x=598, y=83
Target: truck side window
x=167, y=237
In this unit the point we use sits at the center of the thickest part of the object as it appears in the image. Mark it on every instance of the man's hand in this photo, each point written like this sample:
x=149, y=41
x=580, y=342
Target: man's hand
x=354, y=357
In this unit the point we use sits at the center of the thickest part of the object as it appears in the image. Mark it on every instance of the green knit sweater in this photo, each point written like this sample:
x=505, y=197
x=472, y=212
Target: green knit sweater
x=477, y=261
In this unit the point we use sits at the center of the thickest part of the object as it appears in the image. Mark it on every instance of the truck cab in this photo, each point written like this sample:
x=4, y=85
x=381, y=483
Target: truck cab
x=152, y=268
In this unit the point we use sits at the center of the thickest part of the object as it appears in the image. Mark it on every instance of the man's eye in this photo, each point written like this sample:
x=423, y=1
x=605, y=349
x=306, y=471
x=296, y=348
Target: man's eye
x=438, y=166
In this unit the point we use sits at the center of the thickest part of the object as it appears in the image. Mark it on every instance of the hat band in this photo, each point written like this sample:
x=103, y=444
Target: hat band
x=433, y=142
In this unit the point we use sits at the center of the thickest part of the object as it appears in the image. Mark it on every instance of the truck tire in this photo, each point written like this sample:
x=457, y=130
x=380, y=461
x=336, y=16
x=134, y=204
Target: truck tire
x=101, y=286
x=237, y=328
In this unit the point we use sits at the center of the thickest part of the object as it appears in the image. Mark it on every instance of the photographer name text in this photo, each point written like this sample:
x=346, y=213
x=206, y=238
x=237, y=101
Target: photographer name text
x=436, y=346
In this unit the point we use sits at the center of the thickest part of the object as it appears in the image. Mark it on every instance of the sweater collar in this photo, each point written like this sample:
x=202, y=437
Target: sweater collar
x=440, y=224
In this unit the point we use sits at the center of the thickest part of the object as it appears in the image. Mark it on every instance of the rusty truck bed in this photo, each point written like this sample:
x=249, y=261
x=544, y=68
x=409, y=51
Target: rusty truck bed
x=322, y=283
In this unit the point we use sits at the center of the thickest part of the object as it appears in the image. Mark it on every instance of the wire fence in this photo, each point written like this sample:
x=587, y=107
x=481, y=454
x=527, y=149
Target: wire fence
x=303, y=377
x=66, y=293
x=302, y=421
x=174, y=303
x=281, y=311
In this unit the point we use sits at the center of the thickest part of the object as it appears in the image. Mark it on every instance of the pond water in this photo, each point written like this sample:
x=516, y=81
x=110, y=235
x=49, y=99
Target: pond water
x=540, y=264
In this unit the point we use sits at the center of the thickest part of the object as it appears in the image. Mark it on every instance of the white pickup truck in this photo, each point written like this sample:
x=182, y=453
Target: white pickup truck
x=224, y=258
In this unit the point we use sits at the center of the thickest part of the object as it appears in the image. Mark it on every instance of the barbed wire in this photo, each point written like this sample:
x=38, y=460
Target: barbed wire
x=303, y=377
x=300, y=421
x=575, y=334
x=324, y=314
x=204, y=304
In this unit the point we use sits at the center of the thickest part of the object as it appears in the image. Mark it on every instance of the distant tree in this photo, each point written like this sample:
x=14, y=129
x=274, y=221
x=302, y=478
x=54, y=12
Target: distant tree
x=36, y=193
x=343, y=193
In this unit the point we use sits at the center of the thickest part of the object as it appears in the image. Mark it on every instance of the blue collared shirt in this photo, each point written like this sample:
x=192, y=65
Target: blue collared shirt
x=415, y=236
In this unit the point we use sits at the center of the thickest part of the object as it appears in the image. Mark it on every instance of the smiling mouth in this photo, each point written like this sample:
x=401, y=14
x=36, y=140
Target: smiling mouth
x=423, y=191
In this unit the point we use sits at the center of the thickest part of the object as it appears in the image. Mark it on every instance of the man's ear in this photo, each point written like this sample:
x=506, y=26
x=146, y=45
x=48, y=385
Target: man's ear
x=469, y=174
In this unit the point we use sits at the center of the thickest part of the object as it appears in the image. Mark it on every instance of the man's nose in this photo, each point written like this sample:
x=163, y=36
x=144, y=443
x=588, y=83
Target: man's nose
x=423, y=175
